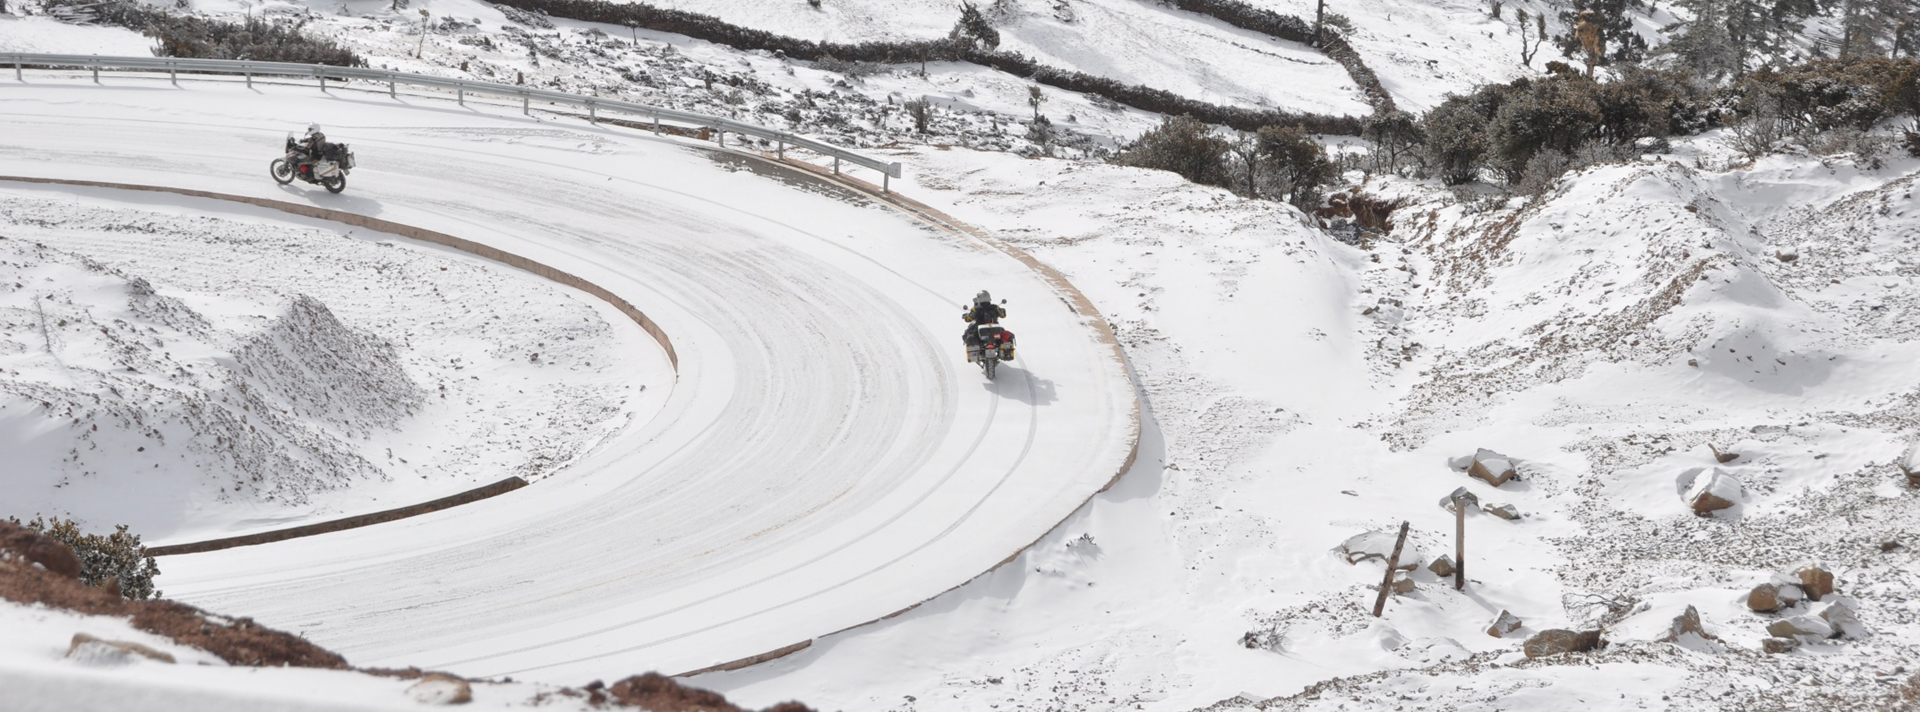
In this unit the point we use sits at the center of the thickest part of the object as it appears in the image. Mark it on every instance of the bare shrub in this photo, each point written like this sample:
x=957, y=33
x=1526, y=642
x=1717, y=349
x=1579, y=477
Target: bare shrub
x=114, y=560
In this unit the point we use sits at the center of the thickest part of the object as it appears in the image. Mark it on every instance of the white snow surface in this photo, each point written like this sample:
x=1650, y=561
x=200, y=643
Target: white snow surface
x=49, y=36
x=826, y=456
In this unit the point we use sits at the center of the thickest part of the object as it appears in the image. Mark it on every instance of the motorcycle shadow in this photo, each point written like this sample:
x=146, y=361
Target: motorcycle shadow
x=347, y=201
x=1026, y=387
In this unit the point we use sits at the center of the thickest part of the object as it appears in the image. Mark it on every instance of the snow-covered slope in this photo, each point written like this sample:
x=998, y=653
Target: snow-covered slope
x=1303, y=391
x=197, y=371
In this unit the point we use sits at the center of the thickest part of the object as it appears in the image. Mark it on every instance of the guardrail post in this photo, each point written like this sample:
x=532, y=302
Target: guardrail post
x=462, y=93
x=656, y=124
x=783, y=150
x=885, y=182
x=390, y=90
x=322, y=76
x=96, y=74
x=173, y=74
x=593, y=113
x=525, y=108
x=17, y=76
x=249, y=79
x=723, y=139
x=836, y=165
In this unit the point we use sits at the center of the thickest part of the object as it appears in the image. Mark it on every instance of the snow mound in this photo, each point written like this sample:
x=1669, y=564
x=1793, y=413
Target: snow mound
x=123, y=378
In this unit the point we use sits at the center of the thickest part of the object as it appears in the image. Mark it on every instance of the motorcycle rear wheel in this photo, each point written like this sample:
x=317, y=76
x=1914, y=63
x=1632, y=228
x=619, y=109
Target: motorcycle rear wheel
x=335, y=183
x=281, y=172
x=988, y=364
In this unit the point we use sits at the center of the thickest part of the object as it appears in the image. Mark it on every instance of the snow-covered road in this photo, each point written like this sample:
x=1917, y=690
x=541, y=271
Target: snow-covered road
x=826, y=457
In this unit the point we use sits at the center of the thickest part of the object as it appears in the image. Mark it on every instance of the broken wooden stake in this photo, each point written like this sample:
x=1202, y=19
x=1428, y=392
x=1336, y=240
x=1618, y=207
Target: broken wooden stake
x=1459, y=545
x=1393, y=564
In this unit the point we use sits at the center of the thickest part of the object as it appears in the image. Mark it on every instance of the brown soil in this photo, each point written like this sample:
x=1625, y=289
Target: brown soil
x=238, y=641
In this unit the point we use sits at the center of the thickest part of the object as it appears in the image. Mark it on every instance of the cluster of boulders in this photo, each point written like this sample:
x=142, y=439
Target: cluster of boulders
x=1792, y=598
x=1490, y=467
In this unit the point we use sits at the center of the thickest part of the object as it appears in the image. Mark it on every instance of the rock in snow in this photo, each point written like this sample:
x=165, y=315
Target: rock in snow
x=1778, y=645
x=1845, y=621
x=1806, y=629
x=1710, y=490
x=1459, y=494
x=89, y=650
x=441, y=689
x=1548, y=643
x=1504, y=511
x=1492, y=467
x=1378, y=544
x=1685, y=624
x=1773, y=596
x=1442, y=567
x=1816, y=581
x=1504, y=624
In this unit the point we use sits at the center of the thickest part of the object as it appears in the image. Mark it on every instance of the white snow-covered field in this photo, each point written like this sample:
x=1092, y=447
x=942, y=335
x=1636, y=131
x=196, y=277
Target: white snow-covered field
x=825, y=457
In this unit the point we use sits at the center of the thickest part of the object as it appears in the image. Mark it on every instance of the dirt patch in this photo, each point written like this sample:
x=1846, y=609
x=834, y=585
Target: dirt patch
x=238, y=641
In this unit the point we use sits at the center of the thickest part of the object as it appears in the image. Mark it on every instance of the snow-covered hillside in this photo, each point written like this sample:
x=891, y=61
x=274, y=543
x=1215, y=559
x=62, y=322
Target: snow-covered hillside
x=1304, y=392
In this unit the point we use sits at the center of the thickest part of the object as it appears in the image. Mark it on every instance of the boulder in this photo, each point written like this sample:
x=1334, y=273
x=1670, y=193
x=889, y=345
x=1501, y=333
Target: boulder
x=1805, y=629
x=1442, y=567
x=441, y=689
x=1778, y=645
x=1687, y=623
x=1709, y=490
x=1368, y=546
x=1402, y=585
x=1504, y=624
x=1548, y=643
x=1459, y=495
x=1773, y=596
x=1816, y=581
x=1503, y=511
x=100, y=651
x=1845, y=621
x=1492, y=467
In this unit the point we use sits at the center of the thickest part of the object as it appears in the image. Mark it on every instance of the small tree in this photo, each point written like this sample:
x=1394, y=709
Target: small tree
x=117, y=559
x=1587, y=32
x=974, y=28
x=1184, y=145
x=1527, y=51
x=1297, y=164
x=1034, y=99
x=922, y=113
x=1395, y=136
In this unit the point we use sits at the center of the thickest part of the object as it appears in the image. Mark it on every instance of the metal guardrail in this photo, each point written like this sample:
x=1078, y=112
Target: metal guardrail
x=323, y=73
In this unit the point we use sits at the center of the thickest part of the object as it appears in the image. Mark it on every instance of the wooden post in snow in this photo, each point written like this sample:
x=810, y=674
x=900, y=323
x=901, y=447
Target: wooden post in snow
x=1459, y=544
x=1393, y=564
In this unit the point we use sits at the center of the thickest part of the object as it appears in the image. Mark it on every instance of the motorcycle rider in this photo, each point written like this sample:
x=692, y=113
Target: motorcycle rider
x=315, y=144
x=983, y=312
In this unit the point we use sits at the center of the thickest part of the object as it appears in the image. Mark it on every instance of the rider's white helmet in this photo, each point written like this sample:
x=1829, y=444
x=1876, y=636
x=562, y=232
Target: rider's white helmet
x=983, y=298
x=313, y=128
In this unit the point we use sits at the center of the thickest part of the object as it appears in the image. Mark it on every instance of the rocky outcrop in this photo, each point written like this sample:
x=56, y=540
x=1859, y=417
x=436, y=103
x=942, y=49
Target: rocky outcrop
x=1459, y=494
x=1442, y=567
x=1548, y=643
x=1778, y=645
x=1503, y=511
